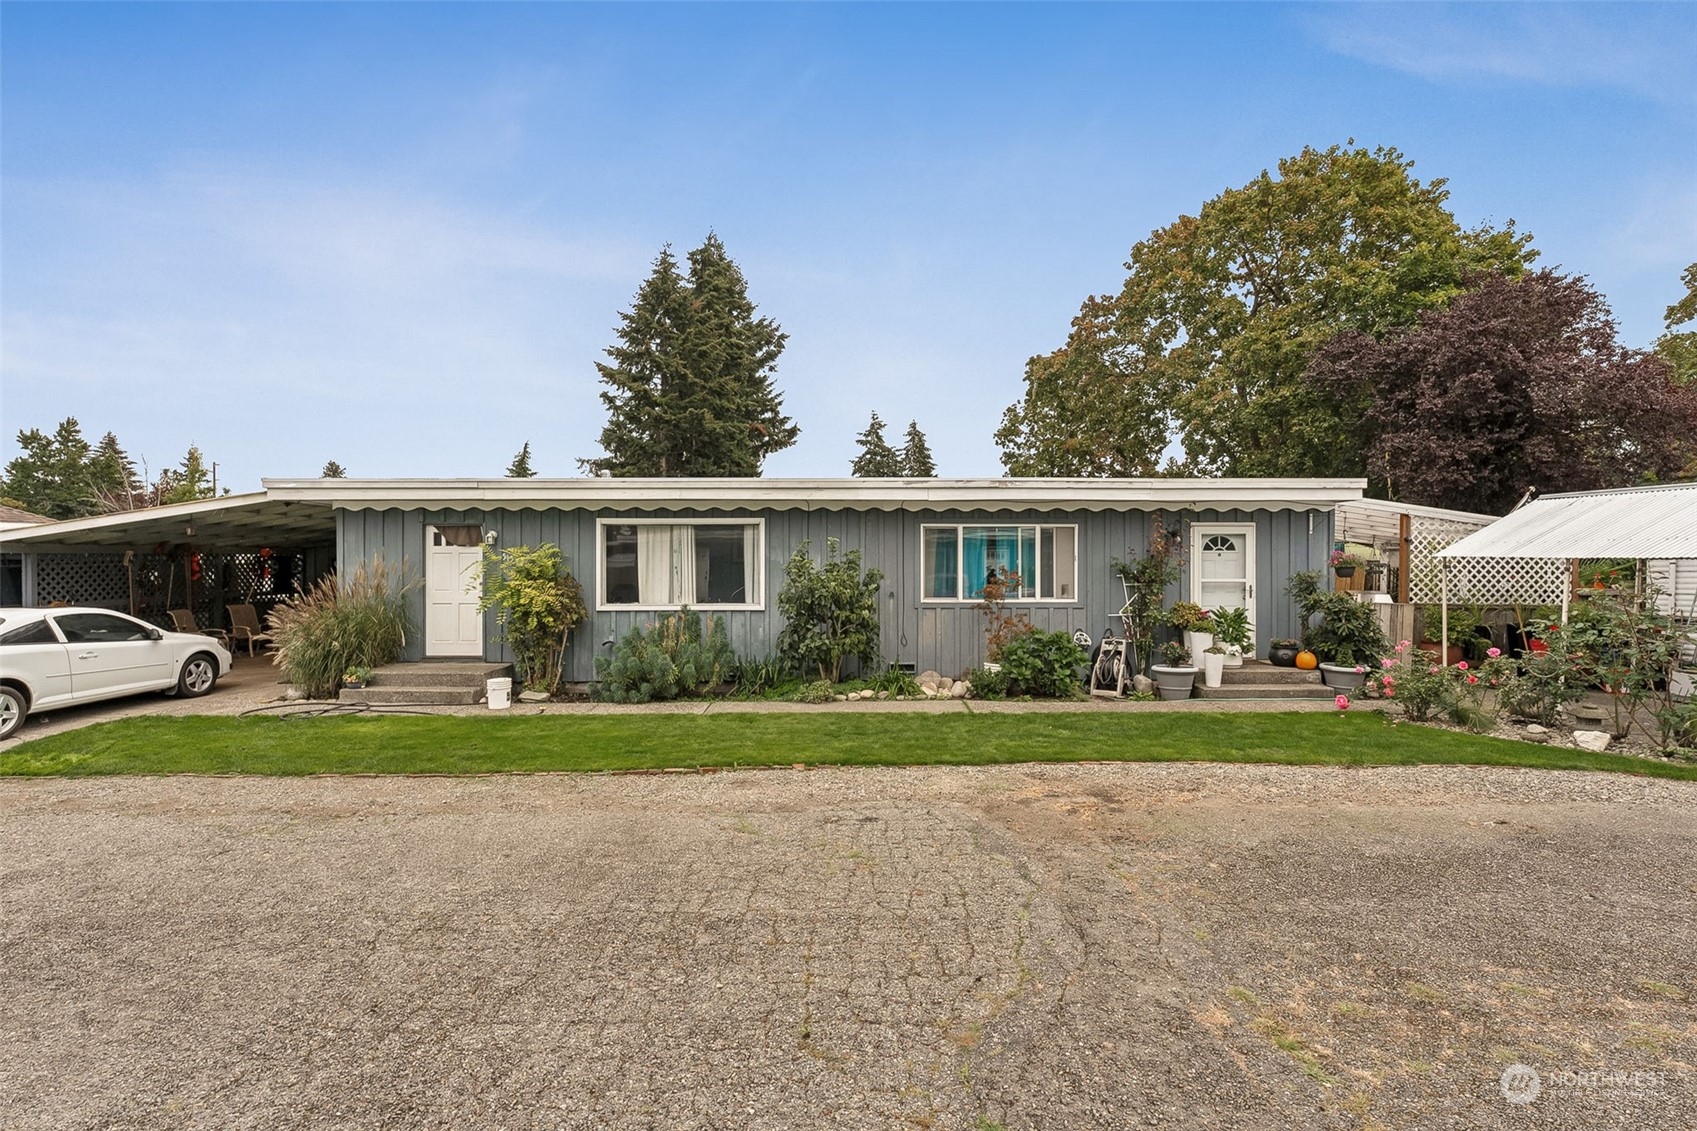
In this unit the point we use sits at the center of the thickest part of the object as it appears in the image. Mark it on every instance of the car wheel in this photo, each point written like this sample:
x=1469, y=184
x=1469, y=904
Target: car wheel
x=199, y=673
x=13, y=710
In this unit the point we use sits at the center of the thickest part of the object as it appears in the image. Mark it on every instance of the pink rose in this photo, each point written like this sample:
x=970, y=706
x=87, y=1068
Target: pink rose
x=1387, y=662
x=1343, y=702
x=1461, y=667
x=1472, y=679
x=1493, y=652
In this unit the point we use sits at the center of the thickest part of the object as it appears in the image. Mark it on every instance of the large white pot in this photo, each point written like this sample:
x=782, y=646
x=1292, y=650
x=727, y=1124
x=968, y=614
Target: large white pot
x=1234, y=656
x=1213, y=666
x=1171, y=682
x=1198, y=643
x=1340, y=677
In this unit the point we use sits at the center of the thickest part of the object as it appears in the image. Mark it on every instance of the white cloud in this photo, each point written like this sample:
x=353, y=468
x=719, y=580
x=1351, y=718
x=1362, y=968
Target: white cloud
x=1650, y=50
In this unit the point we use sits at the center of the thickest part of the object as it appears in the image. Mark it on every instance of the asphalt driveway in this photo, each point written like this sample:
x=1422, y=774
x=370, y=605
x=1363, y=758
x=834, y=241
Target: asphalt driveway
x=1043, y=947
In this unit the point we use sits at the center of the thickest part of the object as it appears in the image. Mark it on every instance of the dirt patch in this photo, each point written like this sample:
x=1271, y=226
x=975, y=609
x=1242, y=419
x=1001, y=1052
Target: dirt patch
x=1036, y=947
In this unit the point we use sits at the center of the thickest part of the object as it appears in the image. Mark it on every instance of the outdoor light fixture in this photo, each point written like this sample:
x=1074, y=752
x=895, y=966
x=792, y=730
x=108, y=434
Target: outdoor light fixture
x=489, y=538
x=188, y=531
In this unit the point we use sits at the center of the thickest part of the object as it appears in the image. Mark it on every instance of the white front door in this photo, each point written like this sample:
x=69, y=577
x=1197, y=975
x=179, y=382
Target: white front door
x=453, y=584
x=1222, y=568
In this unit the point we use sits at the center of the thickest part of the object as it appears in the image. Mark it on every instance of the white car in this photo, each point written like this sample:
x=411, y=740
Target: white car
x=59, y=657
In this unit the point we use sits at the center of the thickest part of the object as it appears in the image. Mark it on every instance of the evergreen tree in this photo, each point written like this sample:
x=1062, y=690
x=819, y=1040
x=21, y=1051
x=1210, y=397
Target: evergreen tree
x=333, y=470
x=877, y=460
x=113, y=478
x=520, y=467
x=187, y=481
x=51, y=476
x=689, y=391
x=916, y=454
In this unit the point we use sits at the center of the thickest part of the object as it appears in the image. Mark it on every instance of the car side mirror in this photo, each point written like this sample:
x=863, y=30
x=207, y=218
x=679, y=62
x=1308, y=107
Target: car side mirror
x=155, y=634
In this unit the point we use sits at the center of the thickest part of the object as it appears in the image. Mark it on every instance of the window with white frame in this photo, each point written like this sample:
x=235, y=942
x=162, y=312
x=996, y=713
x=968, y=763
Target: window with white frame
x=667, y=563
x=957, y=561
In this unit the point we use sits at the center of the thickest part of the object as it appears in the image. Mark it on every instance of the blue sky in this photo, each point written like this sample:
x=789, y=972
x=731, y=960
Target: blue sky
x=400, y=235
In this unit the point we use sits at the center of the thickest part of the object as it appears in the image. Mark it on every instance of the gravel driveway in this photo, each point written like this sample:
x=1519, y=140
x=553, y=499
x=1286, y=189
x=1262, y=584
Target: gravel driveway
x=1094, y=946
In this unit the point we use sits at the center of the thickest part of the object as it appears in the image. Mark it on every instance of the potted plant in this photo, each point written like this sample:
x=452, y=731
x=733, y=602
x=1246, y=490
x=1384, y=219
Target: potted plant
x=1282, y=653
x=356, y=677
x=1175, y=678
x=1213, y=665
x=1463, y=631
x=1198, y=628
x=1343, y=677
x=1232, y=628
x=1344, y=563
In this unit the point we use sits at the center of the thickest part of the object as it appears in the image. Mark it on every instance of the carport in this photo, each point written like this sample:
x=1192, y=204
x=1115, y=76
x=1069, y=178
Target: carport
x=202, y=556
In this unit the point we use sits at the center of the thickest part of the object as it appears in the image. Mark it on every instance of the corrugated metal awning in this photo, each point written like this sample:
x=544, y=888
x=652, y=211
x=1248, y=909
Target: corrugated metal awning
x=1631, y=522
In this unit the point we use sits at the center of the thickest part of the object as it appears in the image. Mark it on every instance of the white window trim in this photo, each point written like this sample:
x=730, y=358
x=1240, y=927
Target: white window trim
x=960, y=557
x=757, y=582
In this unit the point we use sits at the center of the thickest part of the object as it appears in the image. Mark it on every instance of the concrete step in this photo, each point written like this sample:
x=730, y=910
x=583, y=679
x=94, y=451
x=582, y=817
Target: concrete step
x=392, y=695
x=1314, y=690
x=1260, y=673
x=446, y=674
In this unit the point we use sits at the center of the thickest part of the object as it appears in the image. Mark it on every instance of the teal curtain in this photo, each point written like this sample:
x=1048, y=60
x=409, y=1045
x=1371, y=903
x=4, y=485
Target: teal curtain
x=975, y=546
x=942, y=566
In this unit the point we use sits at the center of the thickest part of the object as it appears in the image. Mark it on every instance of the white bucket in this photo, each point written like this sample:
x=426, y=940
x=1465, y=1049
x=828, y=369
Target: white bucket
x=500, y=693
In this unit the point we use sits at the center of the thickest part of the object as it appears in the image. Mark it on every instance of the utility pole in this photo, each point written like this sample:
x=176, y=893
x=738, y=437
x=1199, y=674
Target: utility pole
x=214, y=479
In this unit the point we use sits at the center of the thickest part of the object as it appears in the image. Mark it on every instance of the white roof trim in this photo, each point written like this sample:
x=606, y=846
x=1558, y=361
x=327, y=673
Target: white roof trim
x=807, y=494
x=1632, y=522
x=252, y=512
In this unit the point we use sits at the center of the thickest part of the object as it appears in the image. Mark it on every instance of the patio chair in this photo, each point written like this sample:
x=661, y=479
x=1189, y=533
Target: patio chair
x=245, y=627
x=183, y=621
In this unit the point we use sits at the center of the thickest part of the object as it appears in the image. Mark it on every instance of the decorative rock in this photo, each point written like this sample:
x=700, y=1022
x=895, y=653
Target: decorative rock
x=1535, y=729
x=929, y=678
x=533, y=697
x=959, y=690
x=293, y=693
x=883, y=695
x=841, y=698
x=1143, y=684
x=1593, y=740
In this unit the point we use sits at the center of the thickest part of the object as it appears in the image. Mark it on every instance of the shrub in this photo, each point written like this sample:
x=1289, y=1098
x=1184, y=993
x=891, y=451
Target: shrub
x=666, y=660
x=1544, y=682
x=896, y=681
x=1000, y=625
x=1043, y=664
x=1425, y=689
x=1188, y=616
x=830, y=611
x=758, y=676
x=1348, y=632
x=360, y=621
x=988, y=683
x=819, y=691
x=537, y=603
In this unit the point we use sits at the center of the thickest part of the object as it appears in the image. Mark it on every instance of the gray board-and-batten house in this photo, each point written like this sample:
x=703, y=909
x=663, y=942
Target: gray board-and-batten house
x=643, y=547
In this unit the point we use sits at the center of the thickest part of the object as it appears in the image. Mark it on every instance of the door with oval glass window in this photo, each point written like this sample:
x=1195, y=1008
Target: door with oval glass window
x=1222, y=568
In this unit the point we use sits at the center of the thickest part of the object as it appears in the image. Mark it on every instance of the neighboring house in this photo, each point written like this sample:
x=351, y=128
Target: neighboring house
x=11, y=565
x=643, y=547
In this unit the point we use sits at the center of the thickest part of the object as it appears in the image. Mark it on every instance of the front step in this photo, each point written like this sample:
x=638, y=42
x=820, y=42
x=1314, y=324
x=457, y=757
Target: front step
x=429, y=684
x=1264, y=691
x=1262, y=674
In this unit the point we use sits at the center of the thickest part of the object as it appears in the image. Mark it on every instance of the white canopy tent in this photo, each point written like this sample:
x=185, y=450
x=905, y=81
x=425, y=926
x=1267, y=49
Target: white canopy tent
x=1657, y=525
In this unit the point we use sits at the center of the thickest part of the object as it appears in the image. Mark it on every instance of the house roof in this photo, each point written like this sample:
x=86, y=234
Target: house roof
x=1629, y=522
x=228, y=522
x=807, y=494
x=12, y=516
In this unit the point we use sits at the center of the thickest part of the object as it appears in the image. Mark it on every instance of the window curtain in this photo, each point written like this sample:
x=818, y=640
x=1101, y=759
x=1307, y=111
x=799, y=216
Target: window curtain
x=750, y=567
x=975, y=554
x=654, y=565
x=941, y=565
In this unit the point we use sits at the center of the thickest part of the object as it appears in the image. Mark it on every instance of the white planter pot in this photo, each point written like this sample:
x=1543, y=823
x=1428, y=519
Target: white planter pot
x=992, y=666
x=1213, y=666
x=1173, y=683
x=1234, y=656
x=1341, y=678
x=1198, y=643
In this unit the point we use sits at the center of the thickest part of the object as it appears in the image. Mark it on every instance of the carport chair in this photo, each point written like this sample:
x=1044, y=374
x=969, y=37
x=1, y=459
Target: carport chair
x=245, y=627
x=183, y=621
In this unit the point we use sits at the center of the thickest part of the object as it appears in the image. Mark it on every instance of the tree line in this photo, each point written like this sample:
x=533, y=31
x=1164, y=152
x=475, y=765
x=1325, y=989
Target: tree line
x=61, y=475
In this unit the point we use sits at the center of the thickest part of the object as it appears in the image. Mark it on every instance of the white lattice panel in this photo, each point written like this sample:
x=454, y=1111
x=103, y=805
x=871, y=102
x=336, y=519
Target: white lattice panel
x=1484, y=581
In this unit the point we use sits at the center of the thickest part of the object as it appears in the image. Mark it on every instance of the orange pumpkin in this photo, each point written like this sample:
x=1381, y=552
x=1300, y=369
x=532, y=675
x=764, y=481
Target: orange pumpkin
x=1307, y=660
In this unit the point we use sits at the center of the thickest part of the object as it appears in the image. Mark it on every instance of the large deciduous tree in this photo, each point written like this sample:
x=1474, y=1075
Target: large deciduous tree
x=1208, y=339
x=689, y=388
x=1679, y=347
x=876, y=459
x=1518, y=383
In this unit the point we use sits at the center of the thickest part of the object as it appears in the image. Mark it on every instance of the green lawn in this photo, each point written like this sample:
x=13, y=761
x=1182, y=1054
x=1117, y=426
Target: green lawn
x=446, y=744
